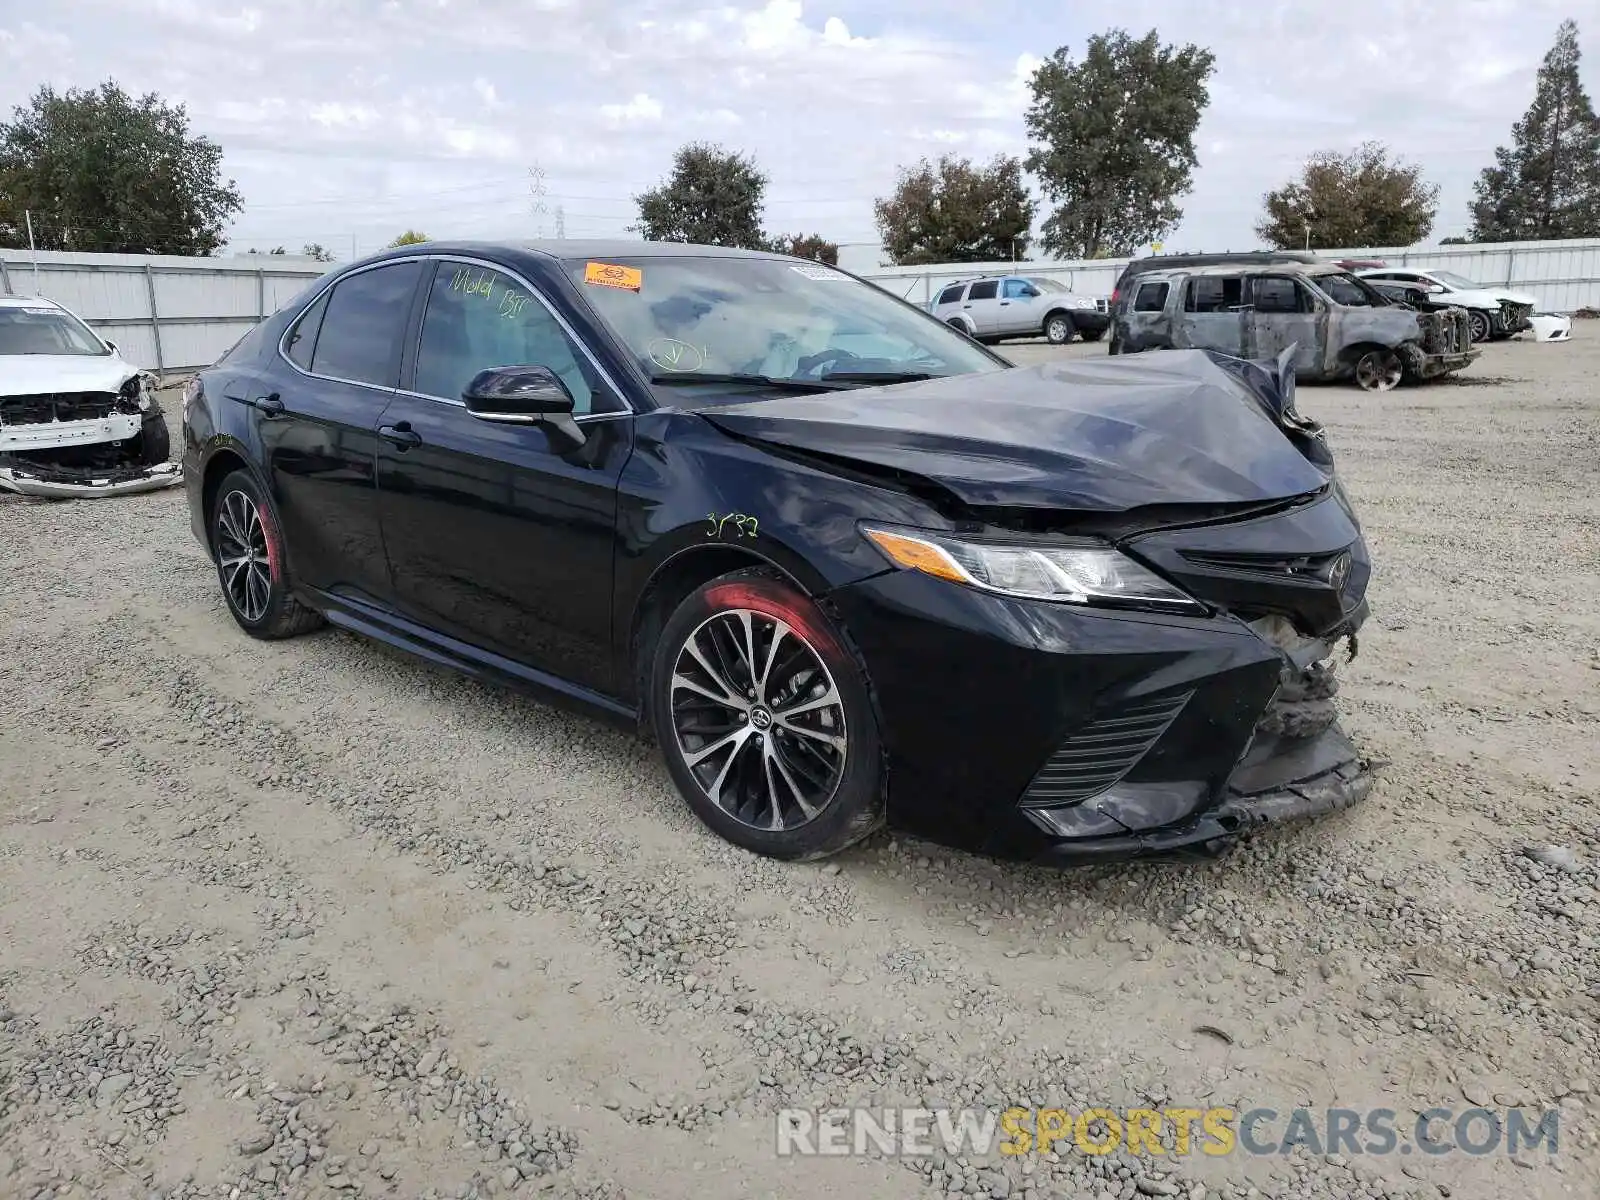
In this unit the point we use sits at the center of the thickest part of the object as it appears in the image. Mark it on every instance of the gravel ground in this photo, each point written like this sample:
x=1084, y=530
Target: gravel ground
x=314, y=918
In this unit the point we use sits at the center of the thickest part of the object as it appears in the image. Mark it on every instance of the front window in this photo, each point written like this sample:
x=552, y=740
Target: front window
x=767, y=319
x=41, y=330
x=1349, y=291
x=477, y=318
x=1459, y=282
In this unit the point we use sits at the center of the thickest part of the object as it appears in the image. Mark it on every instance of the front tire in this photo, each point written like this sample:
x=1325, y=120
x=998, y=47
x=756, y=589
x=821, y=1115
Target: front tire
x=1092, y=335
x=250, y=556
x=1379, y=370
x=764, y=717
x=1479, y=324
x=1058, y=329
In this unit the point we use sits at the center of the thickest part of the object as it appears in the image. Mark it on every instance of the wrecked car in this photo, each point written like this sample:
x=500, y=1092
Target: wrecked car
x=76, y=418
x=1493, y=312
x=1339, y=326
x=846, y=565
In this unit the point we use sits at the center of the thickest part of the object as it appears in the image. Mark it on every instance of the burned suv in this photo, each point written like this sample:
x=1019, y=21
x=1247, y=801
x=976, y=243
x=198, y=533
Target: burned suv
x=1339, y=326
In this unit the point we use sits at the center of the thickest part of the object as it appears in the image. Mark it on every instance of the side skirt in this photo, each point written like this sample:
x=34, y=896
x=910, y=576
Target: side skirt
x=383, y=625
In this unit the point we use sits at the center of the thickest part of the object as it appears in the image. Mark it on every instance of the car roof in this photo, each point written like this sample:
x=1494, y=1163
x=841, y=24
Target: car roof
x=28, y=302
x=578, y=249
x=1256, y=268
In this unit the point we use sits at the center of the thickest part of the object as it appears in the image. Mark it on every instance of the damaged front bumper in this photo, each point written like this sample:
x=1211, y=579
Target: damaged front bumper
x=1421, y=365
x=32, y=479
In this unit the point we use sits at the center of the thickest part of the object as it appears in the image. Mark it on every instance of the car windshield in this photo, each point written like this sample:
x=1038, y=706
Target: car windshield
x=767, y=319
x=41, y=330
x=1046, y=285
x=1349, y=291
x=1456, y=281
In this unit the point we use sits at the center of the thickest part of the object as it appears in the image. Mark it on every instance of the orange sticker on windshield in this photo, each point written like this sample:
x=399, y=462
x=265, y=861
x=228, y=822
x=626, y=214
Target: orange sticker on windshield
x=610, y=275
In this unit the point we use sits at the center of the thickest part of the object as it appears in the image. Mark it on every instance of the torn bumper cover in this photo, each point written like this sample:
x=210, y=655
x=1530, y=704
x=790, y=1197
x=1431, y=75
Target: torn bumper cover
x=33, y=479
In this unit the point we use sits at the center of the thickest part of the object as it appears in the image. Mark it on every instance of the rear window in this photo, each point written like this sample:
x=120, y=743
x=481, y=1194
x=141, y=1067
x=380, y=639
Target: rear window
x=1151, y=297
x=1212, y=294
x=364, y=324
x=952, y=293
x=984, y=291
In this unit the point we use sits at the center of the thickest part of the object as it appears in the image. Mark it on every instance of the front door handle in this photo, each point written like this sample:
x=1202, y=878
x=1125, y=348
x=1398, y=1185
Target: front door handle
x=401, y=435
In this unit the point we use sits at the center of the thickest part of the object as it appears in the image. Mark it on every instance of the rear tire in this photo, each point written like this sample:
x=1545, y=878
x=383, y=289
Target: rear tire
x=1091, y=335
x=765, y=719
x=1058, y=329
x=250, y=556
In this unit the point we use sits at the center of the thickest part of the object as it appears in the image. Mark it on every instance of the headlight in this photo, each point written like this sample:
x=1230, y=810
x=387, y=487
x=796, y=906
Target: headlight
x=1089, y=573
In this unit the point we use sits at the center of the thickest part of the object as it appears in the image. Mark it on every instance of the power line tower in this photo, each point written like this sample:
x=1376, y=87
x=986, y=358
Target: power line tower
x=561, y=222
x=536, y=194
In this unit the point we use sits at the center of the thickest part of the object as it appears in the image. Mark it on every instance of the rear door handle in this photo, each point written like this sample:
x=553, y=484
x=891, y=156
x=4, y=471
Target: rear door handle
x=401, y=435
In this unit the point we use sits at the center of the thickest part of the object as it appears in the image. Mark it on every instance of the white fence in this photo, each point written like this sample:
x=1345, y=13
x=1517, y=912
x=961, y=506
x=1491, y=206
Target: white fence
x=171, y=314
x=1562, y=275
x=165, y=312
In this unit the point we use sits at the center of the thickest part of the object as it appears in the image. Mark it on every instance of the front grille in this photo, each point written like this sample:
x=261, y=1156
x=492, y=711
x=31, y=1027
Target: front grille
x=1514, y=317
x=45, y=407
x=1102, y=752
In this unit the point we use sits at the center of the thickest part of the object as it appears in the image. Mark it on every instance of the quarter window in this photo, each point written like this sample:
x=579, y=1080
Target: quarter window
x=302, y=340
x=479, y=318
x=1151, y=297
x=984, y=291
x=364, y=324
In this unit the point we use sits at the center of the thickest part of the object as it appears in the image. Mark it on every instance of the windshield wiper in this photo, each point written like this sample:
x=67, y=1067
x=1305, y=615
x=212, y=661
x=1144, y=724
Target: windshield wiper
x=880, y=376
x=684, y=378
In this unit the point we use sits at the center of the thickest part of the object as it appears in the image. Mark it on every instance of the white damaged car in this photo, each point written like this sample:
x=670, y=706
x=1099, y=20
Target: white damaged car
x=76, y=418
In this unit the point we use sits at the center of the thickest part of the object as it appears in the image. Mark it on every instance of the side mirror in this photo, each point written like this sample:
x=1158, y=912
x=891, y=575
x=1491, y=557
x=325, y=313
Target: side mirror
x=110, y=345
x=525, y=395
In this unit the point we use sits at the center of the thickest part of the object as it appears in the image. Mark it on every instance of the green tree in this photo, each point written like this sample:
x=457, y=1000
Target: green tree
x=100, y=170
x=807, y=245
x=953, y=211
x=409, y=238
x=713, y=197
x=1113, y=140
x=1357, y=199
x=316, y=252
x=1546, y=184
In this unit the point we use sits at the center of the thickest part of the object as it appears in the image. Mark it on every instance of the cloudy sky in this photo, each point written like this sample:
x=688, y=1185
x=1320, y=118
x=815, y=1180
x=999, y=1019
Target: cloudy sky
x=346, y=121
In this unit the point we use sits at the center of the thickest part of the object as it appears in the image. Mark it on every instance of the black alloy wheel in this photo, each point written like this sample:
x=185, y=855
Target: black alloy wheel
x=1479, y=324
x=250, y=562
x=764, y=717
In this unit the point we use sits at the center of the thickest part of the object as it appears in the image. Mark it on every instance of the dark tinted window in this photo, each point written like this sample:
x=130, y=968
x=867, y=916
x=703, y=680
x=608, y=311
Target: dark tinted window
x=302, y=339
x=951, y=294
x=1274, y=294
x=983, y=291
x=1151, y=297
x=479, y=318
x=364, y=324
x=1213, y=293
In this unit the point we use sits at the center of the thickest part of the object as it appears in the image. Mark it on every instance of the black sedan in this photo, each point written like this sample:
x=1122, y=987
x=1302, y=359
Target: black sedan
x=847, y=565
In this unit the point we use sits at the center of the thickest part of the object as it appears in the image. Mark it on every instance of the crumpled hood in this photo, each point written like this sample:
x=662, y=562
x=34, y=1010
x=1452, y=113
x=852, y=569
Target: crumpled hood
x=31, y=374
x=1101, y=435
